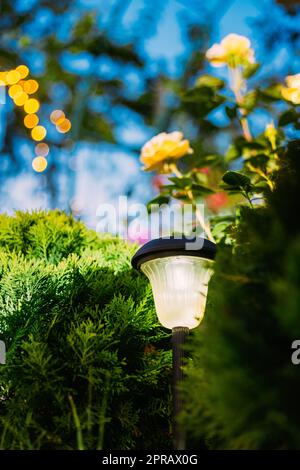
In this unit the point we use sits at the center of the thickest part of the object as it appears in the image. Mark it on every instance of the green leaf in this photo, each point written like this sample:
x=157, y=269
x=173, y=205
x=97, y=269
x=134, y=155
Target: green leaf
x=258, y=161
x=200, y=190
x=231, y=112
x=250, y=101
x=210, y=81
x=198, y=94
x=84, y=26
x=160, y=199
x=250, y=70
x=237, y=179
x=167, y=188
x=181, y=183
x=272, y=93
x=200, y=178
x=253, y=145
x=288, y=117
x=220, y=228
x=181, y=196
x=214, y=159
x=232, y=153
x=232, y=190
x=262, y=185
x=201, y=100
x=242, y=144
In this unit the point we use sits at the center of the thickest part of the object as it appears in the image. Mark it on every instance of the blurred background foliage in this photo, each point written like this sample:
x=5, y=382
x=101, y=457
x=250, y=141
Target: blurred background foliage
x=119, y=69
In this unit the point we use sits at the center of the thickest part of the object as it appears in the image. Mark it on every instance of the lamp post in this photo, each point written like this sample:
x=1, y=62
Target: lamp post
x=179, y=277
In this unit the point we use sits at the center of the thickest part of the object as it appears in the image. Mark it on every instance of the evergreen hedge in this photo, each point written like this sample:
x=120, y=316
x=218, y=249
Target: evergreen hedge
x=88, y=366
x=243, y=390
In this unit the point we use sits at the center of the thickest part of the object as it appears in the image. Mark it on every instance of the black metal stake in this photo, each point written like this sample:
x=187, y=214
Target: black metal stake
x=179, y=335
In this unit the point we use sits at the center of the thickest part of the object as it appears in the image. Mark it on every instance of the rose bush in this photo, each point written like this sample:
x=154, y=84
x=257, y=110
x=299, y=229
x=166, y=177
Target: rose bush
x=246, y=171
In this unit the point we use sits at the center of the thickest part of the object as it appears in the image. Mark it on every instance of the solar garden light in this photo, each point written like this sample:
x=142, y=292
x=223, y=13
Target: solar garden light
x=179, y=277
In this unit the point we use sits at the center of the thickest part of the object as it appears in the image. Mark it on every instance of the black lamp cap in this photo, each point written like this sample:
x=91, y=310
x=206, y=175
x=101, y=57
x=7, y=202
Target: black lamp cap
x=171, y=246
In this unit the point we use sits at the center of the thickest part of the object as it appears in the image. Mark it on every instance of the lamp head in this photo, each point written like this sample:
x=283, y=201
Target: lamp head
x=179, y=270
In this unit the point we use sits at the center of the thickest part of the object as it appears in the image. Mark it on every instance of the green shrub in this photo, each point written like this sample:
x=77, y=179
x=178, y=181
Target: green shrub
x=88, y=366
x=243, y=390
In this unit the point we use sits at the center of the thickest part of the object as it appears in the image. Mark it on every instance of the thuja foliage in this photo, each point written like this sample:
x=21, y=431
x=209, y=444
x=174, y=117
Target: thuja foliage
x=243, y=390
x=88, y=366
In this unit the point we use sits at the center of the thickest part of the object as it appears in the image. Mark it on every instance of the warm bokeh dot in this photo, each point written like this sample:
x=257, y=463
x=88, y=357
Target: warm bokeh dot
x=64, y=126
x=12, y=77
x=42, y=149
x=30, y=86
x=23, y=71
x=21, y=99
x=31, y=106
x=57, y=116
x=38, y=133
x=39, y=164
x=3, y=78
x=15, y=90
x=31, y=120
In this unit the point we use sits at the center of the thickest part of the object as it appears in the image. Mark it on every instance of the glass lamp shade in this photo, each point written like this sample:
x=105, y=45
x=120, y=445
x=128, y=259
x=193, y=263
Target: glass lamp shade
x=179, y=285
x=179, y=270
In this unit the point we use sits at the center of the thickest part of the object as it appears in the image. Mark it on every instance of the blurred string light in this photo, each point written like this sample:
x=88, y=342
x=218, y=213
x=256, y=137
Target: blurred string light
x=21, y=99
x=38, y=133
x=19, y=91
x=31, y=106
x=31, y=120
x=39, y=164
x=62, y=124
x=30, y=86
x=42, y=149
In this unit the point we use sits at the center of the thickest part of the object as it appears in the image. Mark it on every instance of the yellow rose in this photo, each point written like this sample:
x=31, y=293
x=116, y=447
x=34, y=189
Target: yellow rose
x=216, y=55
x=292, y=91
x=293, y=81
x=163, y=147
x=233, y=50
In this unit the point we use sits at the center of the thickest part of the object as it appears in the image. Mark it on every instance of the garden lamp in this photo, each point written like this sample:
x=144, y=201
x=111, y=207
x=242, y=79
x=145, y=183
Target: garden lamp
x=179, y=270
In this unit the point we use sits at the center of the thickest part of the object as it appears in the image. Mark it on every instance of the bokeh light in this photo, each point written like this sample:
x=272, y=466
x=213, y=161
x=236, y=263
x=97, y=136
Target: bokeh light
x=21, y=99
x=57, y=116
x=15, y=90
x=12, y=77
x=31, y=120
x=30, y=86
x=2, y=78
x=23, y=70
x=39, y=164
x=42, y=149
x=38, y=133
x=31, y=106
x=19, y=90
x=64, y=126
